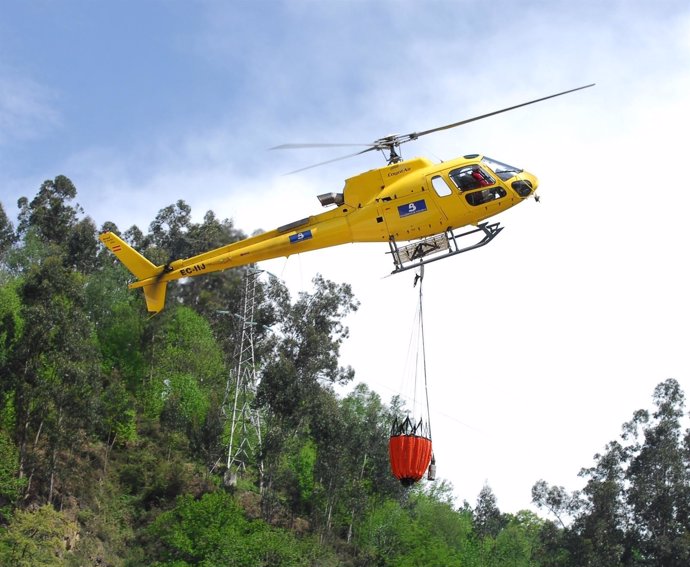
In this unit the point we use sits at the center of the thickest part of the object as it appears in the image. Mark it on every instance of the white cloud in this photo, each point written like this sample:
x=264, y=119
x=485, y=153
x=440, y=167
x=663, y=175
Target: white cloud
x=27, y=109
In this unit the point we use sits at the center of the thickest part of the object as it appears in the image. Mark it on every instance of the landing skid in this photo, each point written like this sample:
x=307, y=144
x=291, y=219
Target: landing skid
x=439, y=246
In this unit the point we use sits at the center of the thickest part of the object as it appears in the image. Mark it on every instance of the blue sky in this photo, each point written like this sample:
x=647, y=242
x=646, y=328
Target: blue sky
x=542, y=344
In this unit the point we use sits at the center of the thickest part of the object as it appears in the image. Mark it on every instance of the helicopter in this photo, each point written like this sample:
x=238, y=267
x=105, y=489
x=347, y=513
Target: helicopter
x=414, y=205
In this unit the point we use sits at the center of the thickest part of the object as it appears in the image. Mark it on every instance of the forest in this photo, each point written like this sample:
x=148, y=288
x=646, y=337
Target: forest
x=115, y=428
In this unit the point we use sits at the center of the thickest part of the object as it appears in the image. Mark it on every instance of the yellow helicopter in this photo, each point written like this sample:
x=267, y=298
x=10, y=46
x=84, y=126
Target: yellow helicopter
x=412, y=200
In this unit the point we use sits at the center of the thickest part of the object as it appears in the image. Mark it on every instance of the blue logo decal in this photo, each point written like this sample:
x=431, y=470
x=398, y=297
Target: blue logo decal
x=300, y=236
x=412, y=208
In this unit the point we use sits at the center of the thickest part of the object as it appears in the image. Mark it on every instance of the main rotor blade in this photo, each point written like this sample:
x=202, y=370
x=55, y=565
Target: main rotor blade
x=299, y=146
x=415, y=135
x=331, y=160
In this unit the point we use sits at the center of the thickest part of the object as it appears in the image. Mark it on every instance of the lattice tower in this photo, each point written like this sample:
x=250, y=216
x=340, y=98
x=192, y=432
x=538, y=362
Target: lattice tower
x=244, y=447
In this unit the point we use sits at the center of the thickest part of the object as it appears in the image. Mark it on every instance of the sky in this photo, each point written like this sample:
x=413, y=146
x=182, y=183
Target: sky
x=538, y=346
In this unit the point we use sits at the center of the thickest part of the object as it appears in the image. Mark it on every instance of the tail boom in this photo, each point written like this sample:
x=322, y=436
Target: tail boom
x=311, y=234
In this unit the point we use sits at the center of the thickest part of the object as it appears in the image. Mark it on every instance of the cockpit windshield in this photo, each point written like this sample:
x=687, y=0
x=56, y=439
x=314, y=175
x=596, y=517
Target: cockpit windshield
x=502, y=170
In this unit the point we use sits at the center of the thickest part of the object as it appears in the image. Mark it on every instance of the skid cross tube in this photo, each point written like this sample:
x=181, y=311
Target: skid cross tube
x=415, y=254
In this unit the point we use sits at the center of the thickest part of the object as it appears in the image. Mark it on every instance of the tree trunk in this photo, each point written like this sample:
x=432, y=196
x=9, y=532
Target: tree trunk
x=352, y=515
x=53, y=455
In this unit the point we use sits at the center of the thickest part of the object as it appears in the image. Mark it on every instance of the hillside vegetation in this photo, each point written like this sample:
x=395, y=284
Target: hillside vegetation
x=115, y=427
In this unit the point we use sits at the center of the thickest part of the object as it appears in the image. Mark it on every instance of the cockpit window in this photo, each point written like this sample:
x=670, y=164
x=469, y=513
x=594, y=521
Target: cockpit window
x=485, y=195
x=471, y=177
x=502, y=170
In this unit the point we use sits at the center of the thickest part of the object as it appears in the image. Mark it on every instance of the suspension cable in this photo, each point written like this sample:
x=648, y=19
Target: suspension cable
x=420, y=279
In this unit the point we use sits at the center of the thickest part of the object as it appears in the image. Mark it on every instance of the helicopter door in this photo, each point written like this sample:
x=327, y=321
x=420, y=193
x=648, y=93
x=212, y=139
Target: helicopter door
x=446, y=196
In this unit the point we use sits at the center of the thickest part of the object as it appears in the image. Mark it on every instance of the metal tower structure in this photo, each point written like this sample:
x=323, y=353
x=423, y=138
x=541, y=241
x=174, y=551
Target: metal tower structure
x=245, y=444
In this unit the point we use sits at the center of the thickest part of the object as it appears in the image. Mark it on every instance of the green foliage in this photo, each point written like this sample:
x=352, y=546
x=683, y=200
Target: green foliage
x=10, y=484
x=634, y=508
x=50, y=213
x=11, y=321
x=659, y=479
x=118, y=419
x=424, y=531
x=120, y=323
x=214, y=531
x=311, y=332
x=37, y=538
x=303, y=466
x=7, y=234
x=185, y=402
x=487, y=517
x=517, y=544
x=187, y=368
x=55, y=370
x=125, y=427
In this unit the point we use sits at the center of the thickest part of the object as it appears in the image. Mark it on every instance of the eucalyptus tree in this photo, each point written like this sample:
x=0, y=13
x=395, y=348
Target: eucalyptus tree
x=300, y=368
x=7, y=234
x=603, y=520
x=53, y=374
x=658, y=495
x=50, y=212
x=634, y=509
x=488, y=520
x=55, y=370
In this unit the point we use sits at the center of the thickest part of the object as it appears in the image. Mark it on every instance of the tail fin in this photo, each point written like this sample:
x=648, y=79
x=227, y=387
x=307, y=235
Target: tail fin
x=155, y=296
x=140, y=267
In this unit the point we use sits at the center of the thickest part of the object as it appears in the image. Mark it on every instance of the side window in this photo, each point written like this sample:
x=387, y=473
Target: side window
x=485, y=195
x=440, y=186
x=471, y=177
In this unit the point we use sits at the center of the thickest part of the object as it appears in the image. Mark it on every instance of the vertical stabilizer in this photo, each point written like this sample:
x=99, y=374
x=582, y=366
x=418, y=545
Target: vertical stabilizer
x=140, y=267
x=134, y=262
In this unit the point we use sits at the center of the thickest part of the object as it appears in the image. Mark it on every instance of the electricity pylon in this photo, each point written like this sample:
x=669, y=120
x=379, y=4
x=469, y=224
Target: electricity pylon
x=245, y=444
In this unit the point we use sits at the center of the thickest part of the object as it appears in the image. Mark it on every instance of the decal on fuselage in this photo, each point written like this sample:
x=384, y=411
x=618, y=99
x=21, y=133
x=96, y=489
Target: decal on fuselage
x=412, y=208
x=192, y=269
x=300, y=236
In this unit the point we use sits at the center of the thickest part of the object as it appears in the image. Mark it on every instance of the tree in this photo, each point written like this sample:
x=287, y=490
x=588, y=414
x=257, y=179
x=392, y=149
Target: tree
x=295, y=382
x=7, y=234
x=488, y=520
x=39, y=538
x=362, y=454
x=633, y=510
x=422, y=530
x=555, y=499
x=49, y=212
x=169, y=231
x=517, y=544
x=659, y=480
x=306, y=349
x=187, y=378
x=219, y=291
x=82, y=246
x=55, y=371
x=214, y=531
x=10, y=484
x=602, y=523
x=11, y=322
